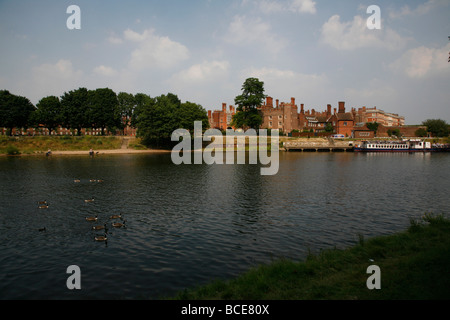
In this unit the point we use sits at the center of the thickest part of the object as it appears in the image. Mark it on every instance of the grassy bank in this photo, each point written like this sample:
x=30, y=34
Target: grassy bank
x=33, y=145
x=414, y=265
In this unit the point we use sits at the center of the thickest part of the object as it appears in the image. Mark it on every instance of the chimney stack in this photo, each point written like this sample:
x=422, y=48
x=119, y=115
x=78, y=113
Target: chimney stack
x=302, y=108
x=329, y=110
x=278, y=102
x=341, y=107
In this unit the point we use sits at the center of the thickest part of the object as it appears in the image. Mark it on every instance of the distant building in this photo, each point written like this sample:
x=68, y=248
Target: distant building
x=375, y=115
x=221, y=119
x=285, y=117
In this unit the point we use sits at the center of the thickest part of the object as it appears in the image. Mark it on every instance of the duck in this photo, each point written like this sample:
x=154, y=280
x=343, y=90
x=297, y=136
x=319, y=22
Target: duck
x=119, y=225
x=91, y=219
x=99, y=227
x=101, y=238
x=116, y=216
x=43, y=229
x=42, y=202
x=43, y=206
x=89, y=200
x=92, y=180
x=77, y=180
x=100, y=180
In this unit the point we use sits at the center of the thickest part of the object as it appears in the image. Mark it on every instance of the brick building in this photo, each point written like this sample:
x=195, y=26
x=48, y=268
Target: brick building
x=221, y=119
x=286, y=117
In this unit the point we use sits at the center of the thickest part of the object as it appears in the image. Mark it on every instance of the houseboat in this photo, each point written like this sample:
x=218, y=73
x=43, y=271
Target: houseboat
x=406, y=145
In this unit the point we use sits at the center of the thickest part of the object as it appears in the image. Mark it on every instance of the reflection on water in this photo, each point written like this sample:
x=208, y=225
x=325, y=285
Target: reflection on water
x=189, y=224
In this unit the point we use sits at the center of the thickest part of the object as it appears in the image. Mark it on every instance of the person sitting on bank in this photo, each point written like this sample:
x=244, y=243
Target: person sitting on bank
x=91, y=153
x=49, y=153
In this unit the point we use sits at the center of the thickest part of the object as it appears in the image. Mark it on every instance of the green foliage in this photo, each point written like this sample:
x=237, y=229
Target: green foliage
x=15, y=111
x=12, y=150
x=394, y=132
x=373, y=126
x=329, y=127
x=421, y=132
x=75, y=106
x=48, y=113
x=252, y=97
x=437, y=127
x=103, y=109
x=157, y=118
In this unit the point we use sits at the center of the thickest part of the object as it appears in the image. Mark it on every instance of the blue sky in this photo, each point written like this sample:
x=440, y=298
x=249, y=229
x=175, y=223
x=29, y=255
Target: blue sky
x=319, y=52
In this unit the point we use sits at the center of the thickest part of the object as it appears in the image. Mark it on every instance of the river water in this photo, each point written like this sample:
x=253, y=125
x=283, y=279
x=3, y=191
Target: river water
x=190, y=224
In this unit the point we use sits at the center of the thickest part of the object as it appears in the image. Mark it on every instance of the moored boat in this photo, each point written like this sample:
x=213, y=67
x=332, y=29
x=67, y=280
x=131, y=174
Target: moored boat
x=406, y=145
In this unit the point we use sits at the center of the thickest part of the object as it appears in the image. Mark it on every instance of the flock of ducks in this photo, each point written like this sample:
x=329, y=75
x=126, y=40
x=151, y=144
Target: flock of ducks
x=103, y=238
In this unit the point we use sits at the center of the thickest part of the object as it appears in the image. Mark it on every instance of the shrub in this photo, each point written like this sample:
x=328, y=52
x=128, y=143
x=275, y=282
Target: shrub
x=12, y=150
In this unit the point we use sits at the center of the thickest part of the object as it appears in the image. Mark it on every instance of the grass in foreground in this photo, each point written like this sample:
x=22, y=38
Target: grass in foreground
x=414, y=265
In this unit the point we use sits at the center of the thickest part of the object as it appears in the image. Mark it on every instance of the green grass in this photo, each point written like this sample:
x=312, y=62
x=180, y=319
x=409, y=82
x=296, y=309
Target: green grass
x=30, y=145
x=415, y=265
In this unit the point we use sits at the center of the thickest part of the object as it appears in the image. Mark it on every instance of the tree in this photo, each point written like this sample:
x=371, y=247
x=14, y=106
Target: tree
x=127, y=105
x=75, y=106
x=157, y=118
x=15, y=111
x=48, y=113
x=421, y=132
x=437, y=127
x=191, y=112
x=329, y=127
x=103, y=109
x=373, y=126
x=252, y=97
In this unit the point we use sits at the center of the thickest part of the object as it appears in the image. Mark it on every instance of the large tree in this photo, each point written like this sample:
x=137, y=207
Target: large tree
x=103, y=109
x=15, y=111
x=75, y=107
x=252, y=97
x=191, y=112
x=157, y=118
x=437, y=127
x=48, y=113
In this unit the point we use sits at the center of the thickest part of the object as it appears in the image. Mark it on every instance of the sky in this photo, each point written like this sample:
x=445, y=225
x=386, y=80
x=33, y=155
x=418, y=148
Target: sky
x=318, y=52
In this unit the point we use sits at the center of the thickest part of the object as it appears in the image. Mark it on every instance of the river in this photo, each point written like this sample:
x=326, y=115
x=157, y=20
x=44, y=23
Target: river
x=187, y=225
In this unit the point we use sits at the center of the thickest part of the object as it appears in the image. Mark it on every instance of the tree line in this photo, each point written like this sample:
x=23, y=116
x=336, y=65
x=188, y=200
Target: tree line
x=155, y=118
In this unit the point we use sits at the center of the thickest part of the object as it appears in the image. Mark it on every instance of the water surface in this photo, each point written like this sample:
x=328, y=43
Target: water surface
x=190, y=224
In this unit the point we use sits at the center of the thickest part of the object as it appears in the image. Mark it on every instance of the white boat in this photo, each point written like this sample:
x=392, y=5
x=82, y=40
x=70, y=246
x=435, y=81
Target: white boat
x=406, y=145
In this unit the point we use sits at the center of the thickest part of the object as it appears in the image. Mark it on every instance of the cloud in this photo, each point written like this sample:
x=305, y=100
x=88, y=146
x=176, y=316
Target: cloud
x=154, y=51
x=62, y=70
x=284, y=84
x=205, y=71
x=355, y=34
x=245, y=31
x=421, y=9
x=53, y=79
x=296, y=6
x=105, y=71
x=423, y=62
x=303, y=6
